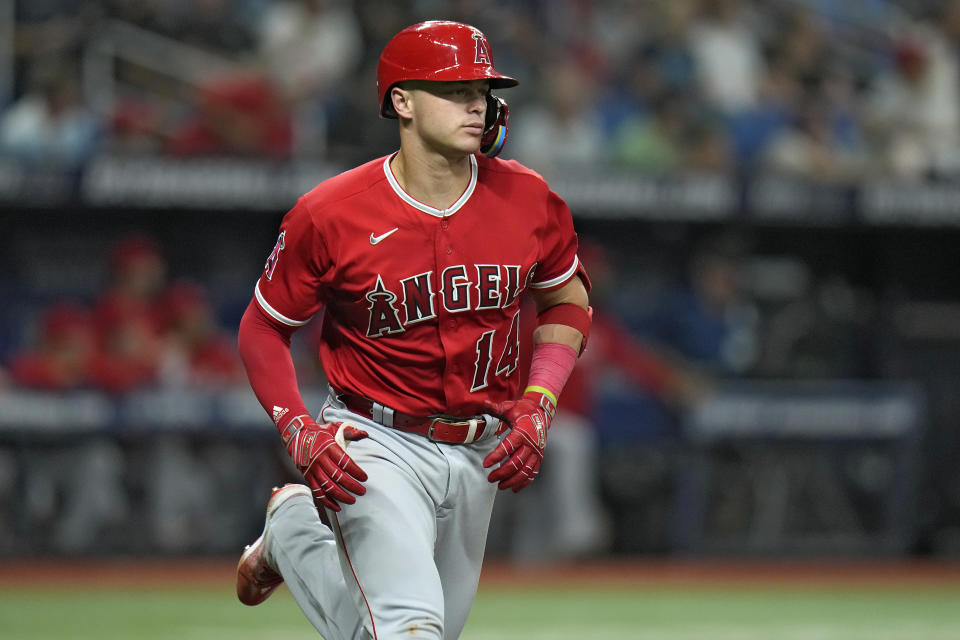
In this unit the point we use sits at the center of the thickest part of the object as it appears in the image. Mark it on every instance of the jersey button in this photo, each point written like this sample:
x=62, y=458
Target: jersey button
x=444, y=224
x=452, y=324
x=449, y=250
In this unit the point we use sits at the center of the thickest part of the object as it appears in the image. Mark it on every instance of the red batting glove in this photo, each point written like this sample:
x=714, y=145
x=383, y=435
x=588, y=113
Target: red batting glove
x=327, y=469
x=521, y=452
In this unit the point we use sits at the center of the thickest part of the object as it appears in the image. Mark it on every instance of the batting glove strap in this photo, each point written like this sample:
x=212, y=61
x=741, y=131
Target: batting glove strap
x=545, y=398
x=293, y=427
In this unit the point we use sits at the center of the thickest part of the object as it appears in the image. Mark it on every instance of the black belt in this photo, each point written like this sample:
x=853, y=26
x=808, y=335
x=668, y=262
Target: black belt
x=439, y=428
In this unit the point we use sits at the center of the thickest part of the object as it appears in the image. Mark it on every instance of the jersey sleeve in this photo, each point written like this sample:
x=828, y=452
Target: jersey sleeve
x=558, y=260
x=289, y=289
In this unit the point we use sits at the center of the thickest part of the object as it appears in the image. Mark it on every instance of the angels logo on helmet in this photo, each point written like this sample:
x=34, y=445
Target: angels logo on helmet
x=482, y=56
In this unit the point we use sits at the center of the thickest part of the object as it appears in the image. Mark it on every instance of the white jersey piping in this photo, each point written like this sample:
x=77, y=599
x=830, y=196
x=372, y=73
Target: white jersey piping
x=276, y=315
x=559, y=279
x=413, y=202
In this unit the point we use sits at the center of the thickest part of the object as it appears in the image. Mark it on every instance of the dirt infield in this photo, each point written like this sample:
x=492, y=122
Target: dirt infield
x=726, y=572
x=207, y=573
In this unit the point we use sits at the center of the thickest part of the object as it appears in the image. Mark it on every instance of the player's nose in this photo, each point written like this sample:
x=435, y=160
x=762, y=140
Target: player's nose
x=478, y=96
x=479, y=104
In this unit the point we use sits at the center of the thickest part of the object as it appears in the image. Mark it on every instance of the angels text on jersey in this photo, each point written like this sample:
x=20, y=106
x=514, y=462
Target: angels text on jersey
x=461, y=288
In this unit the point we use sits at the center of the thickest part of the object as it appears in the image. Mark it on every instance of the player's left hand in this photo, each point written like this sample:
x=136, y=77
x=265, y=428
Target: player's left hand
x=521, y=451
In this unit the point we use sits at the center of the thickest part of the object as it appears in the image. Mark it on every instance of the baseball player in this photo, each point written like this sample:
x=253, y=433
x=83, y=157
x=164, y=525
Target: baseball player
x=419, y=262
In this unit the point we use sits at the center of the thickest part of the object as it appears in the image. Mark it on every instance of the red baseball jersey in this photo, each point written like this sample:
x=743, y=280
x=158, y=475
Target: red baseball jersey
x=420, y=305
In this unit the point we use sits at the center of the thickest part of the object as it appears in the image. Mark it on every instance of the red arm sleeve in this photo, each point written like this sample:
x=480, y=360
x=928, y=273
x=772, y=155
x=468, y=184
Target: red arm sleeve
x=264, y=346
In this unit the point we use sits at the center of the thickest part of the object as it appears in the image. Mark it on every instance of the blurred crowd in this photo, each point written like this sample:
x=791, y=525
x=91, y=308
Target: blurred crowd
x=825, y=89
x=137, y=330
x=140, y=330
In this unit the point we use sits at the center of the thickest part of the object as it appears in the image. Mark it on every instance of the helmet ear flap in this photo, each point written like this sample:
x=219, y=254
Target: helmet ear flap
x=495, y=126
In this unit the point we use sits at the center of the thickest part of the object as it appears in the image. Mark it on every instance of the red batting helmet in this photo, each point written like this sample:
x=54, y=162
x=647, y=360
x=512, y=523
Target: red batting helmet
x=438, y=50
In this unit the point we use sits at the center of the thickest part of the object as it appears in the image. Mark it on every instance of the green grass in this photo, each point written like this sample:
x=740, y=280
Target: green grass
x=733, y=613
x=675, y=613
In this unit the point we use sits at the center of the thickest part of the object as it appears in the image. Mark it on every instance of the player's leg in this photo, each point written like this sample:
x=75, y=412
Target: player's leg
x=462, y=526
x=303, y=550
x=387, y=537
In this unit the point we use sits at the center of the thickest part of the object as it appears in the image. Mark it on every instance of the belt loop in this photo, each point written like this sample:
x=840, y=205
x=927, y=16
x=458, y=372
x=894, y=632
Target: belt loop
x=471, y=431
x=382, y=414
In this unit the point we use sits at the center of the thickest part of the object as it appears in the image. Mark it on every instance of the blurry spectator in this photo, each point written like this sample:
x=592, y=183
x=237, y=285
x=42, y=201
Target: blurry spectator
x=803, y=124
x=631, y=91
x=707, y=146
x=141, y=332
x=196, y=352
x=128, y=327
x=342, y=133
x=650, y=142
x=308, y=48
x=615, y=30
x=726, y=49
x=914, y=109
x=669, y=38
x=136, y=125
x=49, y=125
x=564, y=131
x=813, y=148
x=672, y=136
x=61, y=360
x=138, y=273
x=802, y=47
x=706, y=320
x=239, y=114
x=752, y=129
x=309, y=45
x=129, y=347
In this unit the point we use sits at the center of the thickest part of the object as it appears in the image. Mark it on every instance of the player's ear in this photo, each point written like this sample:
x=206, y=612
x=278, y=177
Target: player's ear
x=402, y=100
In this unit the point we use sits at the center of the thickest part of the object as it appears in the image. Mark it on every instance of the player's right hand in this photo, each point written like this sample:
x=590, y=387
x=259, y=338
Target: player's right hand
x=331, y=474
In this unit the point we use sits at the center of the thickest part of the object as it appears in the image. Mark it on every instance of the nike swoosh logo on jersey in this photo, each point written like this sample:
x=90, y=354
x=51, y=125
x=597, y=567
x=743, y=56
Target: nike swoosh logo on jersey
x=383, y=236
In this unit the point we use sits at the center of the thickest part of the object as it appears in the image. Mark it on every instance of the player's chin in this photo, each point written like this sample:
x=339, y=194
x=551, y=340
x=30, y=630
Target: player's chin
x=469, y=140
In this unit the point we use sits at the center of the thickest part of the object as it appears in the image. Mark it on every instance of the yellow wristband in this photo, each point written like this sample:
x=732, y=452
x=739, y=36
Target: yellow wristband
x=544, y=391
